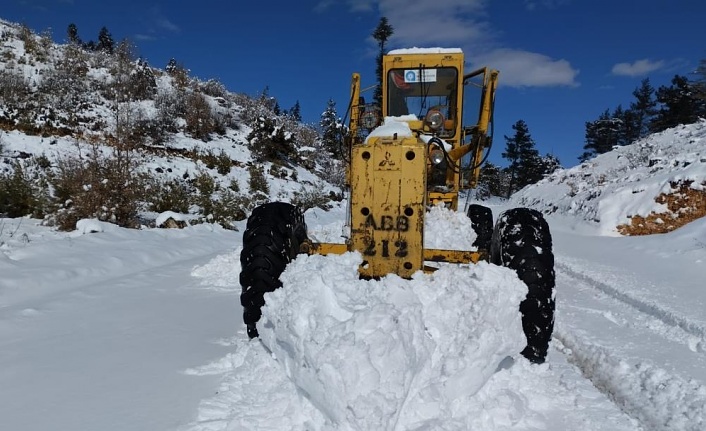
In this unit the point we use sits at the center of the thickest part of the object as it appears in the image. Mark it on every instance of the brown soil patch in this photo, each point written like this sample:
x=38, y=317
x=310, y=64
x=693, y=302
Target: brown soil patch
x=684, y=205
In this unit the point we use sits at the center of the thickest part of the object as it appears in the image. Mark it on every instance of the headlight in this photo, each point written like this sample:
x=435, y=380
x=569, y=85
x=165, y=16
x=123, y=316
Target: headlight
x=436, y=156
x=369, y=120
x=435, y=119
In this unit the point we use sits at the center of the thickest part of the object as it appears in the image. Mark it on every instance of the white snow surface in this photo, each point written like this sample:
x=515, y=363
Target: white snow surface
x=140, y=330
x=416, y=50
x=392, y=354
x=392, y=126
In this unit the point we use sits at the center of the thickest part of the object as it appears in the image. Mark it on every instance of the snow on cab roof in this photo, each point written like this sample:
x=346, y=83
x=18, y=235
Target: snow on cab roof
x=425, y=51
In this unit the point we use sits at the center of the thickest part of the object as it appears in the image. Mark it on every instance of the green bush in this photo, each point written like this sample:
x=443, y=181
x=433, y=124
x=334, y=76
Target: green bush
x=107, y=188
x=205, y=188
x=312, y=197
x=173, y=195
x=221, y=162
x=229, y=207
x=219, y=205
x=257, y=182
x=21, y=193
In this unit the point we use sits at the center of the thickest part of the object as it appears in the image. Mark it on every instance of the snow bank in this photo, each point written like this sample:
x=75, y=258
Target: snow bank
x=391, y=353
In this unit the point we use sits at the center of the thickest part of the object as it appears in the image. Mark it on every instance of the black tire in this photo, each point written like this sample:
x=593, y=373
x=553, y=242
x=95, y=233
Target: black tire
x=482, y=221
x=522, y=242
x=271, y=240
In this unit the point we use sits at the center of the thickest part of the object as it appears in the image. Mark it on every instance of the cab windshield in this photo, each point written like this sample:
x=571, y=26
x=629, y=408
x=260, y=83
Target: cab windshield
x=417, y=91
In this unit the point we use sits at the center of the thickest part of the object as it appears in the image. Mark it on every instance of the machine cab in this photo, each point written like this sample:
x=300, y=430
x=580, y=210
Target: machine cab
x=425, y=83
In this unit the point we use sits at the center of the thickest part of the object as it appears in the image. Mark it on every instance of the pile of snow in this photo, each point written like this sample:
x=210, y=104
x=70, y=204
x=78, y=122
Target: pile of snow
x=416, y=50
x=394, y=126
x=393, y=352
x=448, y=230
x=622, y=183
x=443, y=229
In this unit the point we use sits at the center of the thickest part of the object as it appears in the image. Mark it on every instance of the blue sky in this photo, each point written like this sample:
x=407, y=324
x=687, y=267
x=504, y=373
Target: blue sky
x=561, y=62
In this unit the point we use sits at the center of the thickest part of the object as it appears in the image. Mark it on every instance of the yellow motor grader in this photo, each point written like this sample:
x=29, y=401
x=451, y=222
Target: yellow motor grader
x=423, y=145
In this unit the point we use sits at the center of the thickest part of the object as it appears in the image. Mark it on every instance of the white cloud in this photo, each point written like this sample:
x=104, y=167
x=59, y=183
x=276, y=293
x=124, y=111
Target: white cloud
x=441, y=22
x=464, y=24
x=323, y=5
x=158, y=20
x=529, y=69
x=549, y=4
x=638, y=68
x=164, y=23
x=353, y=5
x=361, y=5
x=144, y=37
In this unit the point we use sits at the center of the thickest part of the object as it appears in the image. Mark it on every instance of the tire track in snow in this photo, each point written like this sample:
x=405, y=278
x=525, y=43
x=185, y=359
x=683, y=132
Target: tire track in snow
x=653, y=310
x=655, y=398
x=658, y=399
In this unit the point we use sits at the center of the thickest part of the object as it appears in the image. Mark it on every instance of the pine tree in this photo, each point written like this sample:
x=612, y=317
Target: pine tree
x=493, y=181
x=679, y=104
x=105, y=41
x=619, y=115
x=601, y=135
x=631, y=130
x=295, y=113
x=171, y=66
x=643, y=108
x=72, y=35
x=520, y=151
x=270, y=142
x=331, y=128
x=269, y=102
x=627, y=126
x=700, y=82
x=381, y=34
x=550, y=164
x=531, y=170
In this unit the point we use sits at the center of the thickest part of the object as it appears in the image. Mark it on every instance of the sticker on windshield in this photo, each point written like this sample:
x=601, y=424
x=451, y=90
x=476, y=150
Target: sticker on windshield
x=413, y=75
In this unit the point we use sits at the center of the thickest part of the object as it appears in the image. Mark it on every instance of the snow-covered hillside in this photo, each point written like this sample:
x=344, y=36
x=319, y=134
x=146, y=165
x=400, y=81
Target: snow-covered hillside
x=62, y=106
x=613, y=187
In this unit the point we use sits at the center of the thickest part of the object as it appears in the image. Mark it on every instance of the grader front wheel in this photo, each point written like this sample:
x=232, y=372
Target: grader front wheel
x=521, y=241
x=271, y=240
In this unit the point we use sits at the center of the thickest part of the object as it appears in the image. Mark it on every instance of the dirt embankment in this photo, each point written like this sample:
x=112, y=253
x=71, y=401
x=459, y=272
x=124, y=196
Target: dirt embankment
x=684, y=204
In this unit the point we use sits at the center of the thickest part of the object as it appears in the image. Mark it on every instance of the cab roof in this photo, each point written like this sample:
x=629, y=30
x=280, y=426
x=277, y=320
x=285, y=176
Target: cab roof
x=425, y=51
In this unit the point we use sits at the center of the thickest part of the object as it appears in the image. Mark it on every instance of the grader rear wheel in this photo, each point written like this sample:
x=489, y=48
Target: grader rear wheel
x=482, y=221
x=521, y=241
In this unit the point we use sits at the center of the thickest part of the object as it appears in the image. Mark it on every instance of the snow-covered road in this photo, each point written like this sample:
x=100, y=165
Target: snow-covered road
x=96, y=330
x=634, y=325
x=140, y=330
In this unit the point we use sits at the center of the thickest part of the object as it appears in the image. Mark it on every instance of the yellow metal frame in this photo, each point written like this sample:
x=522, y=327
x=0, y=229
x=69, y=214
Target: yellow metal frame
x=388, y=177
